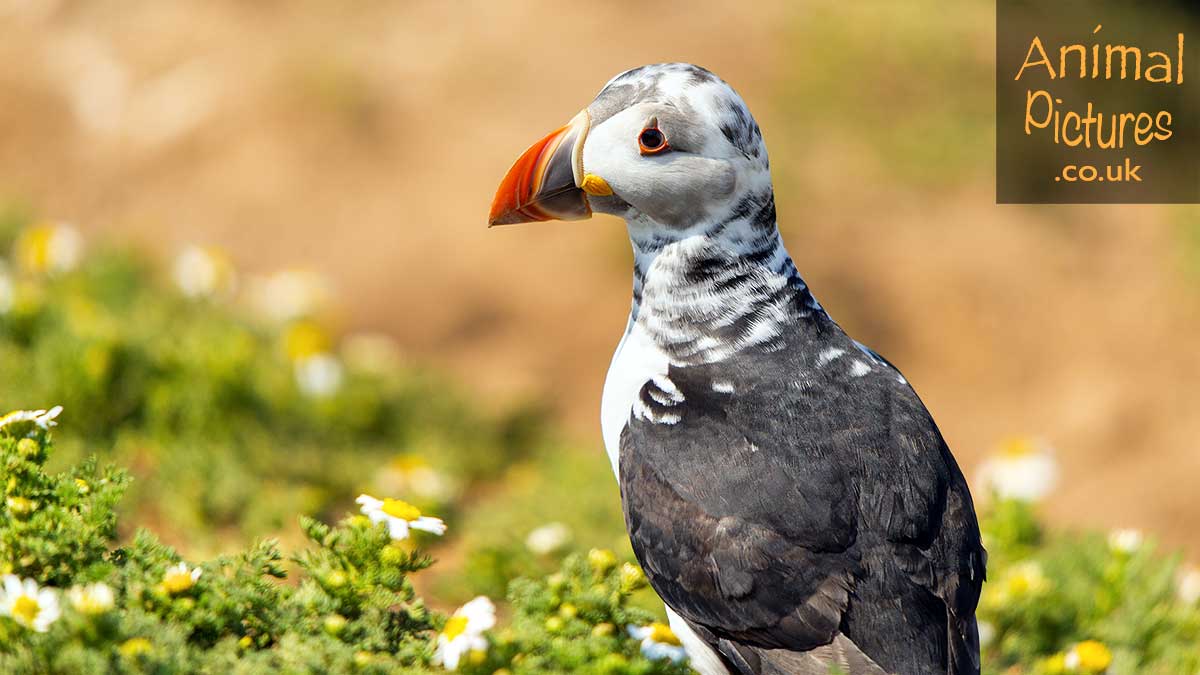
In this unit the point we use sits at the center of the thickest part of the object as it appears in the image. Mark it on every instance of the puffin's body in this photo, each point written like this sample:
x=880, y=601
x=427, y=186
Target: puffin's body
x=785, y=490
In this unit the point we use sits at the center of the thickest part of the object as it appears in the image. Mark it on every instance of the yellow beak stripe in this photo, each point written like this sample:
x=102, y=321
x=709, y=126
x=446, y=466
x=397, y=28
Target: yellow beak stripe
x=595, y=185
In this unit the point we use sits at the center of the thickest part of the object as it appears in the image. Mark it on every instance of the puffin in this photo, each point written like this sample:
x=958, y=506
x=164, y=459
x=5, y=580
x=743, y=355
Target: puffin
x=785, y=490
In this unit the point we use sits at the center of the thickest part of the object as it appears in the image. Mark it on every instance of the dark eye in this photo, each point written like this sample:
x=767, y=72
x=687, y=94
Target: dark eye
x=651, y=141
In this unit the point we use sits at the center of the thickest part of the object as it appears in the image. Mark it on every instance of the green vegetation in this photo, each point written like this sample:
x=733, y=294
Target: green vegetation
x=236, y=423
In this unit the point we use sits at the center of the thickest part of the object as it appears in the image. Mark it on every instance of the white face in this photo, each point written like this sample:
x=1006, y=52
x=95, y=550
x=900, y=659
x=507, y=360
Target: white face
x=707, y=149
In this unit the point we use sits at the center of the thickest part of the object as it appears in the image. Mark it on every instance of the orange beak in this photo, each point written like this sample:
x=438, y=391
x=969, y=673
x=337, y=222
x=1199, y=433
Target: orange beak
x=545, y=182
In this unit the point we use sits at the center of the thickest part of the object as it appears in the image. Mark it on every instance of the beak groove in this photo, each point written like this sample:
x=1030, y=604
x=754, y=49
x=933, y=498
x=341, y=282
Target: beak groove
x=545, y=181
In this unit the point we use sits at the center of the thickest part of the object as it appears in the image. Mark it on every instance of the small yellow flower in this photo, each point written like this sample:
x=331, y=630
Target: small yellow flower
x=304, y=339
x=48, y=248
x=135, y=647
x=400, y=516
x=92, y=600
x=20, y=507
x=1023, y=580
x=463, y=634
x=659, y=642
x=632, y=578
x=1088, y=656
x=83, y=486
x=32, y=607
x=602, y=560
x=180, y=578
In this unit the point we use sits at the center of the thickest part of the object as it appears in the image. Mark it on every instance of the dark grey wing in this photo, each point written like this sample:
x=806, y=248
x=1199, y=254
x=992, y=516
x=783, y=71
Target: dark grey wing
x=778, y=506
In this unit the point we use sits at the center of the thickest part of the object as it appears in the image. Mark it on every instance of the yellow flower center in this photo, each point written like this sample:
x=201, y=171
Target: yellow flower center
x=25, y=609
x=402, y=510
x=455, y=627
x=134, y=647
x=177, y=581
x=34, y=249
x=662, y=634
x=1016, y=448
x=305, y=339
x=1094, y=657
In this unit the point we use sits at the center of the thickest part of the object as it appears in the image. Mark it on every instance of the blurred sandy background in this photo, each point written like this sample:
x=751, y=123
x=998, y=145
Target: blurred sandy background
x=365, y=140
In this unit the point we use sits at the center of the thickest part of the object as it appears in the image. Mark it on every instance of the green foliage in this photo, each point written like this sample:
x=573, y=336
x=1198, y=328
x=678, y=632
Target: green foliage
x=574, y=621
x=1047, y=594
x=205, y=387
x=350, y=606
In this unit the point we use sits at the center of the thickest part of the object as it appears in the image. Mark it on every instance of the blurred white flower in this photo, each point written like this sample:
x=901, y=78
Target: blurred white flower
x=1125, y=540
x=49, y=248
x=180, y=578
x=463, y=632
x=1188, y=585
x=42, y=418
x=27, y=604
x=290, y=294
x=412, y=474
x=1021, y=469
x=658, y=642
x=399, y=516
x=203, y=272
x=92, y=599
x=319, y=375
x=7, y=292
x=548, y=538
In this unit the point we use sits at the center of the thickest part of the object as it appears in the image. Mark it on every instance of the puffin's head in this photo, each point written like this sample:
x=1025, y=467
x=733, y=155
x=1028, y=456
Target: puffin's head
x=671, y=144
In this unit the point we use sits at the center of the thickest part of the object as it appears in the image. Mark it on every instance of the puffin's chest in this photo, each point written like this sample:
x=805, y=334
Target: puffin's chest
x=637, y=361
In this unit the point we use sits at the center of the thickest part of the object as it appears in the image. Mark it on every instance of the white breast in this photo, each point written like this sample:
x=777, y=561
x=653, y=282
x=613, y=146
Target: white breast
x=635, y=362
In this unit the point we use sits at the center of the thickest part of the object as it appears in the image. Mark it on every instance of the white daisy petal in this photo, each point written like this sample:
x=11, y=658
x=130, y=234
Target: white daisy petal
x=429, y=524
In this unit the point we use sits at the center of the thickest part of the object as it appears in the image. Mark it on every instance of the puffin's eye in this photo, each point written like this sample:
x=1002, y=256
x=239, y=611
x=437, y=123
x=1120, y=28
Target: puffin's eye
x=651, y=141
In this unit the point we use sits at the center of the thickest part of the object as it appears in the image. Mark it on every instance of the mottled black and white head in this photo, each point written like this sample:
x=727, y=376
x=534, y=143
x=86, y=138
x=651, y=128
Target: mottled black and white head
x=671, y=148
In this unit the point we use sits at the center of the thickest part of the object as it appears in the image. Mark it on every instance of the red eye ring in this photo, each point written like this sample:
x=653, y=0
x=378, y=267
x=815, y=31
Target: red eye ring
x=652, y=141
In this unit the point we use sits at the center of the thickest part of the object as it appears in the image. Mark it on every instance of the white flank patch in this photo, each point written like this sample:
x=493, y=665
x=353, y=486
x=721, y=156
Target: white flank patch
x=701, y=657
x=722, y=387
x=636, y=361
x=859, y=368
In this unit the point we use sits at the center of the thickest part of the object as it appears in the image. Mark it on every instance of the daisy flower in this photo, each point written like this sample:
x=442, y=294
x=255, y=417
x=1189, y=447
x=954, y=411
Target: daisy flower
x=180, y=578
x=659, y=642
x=463, y=632
x=1021, y=470
x=1188, y=585
x=319, y=375
x=202, y=272
x=42, y=418
x=28, y=605
x=399, y=516
x=1125, y=541
x=49, y=248
x=92, y=599
x=7, y=291
x=548, y=538
x=289, y=295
